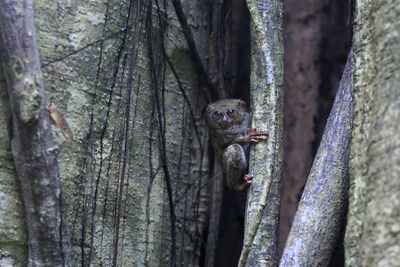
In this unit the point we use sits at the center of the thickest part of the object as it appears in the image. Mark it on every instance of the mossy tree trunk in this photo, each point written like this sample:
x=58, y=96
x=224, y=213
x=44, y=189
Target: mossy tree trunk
x=373, y=229
x=31, y=142
x=121, y=73
x=260, y=245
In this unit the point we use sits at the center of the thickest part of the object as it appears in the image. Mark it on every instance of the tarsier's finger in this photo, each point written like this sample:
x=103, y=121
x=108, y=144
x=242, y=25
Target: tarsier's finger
x=255, y=139
x=248, y=176
x=260, y=137
x=258, y=133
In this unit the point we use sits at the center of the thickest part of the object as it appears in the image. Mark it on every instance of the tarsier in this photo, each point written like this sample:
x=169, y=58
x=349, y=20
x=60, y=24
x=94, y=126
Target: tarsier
x=229, y=124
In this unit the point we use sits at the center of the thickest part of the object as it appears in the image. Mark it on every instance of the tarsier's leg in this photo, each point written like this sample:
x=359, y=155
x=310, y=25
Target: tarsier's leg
x=235, y=164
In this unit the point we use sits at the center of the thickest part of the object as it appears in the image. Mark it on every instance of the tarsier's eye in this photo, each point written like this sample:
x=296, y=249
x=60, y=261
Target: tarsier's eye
x=217, y=115
x=231, y=112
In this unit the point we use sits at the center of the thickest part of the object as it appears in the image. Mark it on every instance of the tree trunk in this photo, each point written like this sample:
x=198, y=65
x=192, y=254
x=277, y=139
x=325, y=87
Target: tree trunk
x=260, y=245
x=13, y=238
x=32, y=143
x=372, y=234
x=129, y=92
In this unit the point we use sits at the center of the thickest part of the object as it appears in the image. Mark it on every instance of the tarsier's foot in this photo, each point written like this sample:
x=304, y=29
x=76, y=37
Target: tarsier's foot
x=247, y=182
x=255, y=135
x=248, y=178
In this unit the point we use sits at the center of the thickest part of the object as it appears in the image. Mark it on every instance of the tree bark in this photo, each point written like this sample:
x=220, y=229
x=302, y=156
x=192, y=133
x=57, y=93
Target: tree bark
x=32, y=142
x=373, y=229
x=321, y=212
x=260, y=246
x=86, y=50
x=13, y=235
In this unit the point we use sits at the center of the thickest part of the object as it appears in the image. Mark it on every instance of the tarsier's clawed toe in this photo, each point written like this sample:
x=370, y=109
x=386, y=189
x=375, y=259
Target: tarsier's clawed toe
x=254, y=131
x=257, y=138
x=255, y=135
x=248, y=178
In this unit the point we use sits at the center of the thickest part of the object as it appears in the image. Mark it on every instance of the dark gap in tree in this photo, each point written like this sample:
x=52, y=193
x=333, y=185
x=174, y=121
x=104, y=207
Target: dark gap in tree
x=203, y=248
x=230, y=238
x=333, y=56
x=237, y=80
x=240, y=50
x=338, y=256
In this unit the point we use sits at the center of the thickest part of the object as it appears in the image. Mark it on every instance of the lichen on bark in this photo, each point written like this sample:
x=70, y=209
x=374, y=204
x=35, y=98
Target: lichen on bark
x=266, y=90
x=372, y=233
x=85, y=52
x=13, y=235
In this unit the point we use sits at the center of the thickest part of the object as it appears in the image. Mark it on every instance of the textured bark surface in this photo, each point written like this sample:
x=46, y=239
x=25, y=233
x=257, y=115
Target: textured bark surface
x=13, y=234
x=260, y=245
x=373, y=229
x=321, y=212
x=86, y=50
x=32, y=143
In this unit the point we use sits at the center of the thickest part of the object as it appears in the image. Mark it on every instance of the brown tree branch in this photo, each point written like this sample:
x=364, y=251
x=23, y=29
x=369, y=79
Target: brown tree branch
x=32, y=141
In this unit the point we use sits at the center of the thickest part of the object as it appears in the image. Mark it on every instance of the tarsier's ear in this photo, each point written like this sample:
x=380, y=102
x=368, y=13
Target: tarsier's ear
x=208, y=109
x=241, y=104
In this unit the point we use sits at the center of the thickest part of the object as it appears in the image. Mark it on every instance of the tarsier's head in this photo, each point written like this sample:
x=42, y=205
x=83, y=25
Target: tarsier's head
x=226, y=113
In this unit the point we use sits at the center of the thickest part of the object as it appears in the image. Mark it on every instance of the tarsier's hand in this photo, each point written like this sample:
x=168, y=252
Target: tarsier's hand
x=254, y=135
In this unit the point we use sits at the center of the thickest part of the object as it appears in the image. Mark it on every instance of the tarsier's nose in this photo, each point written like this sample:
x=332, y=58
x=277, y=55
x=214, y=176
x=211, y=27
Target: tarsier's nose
x=225, y=118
